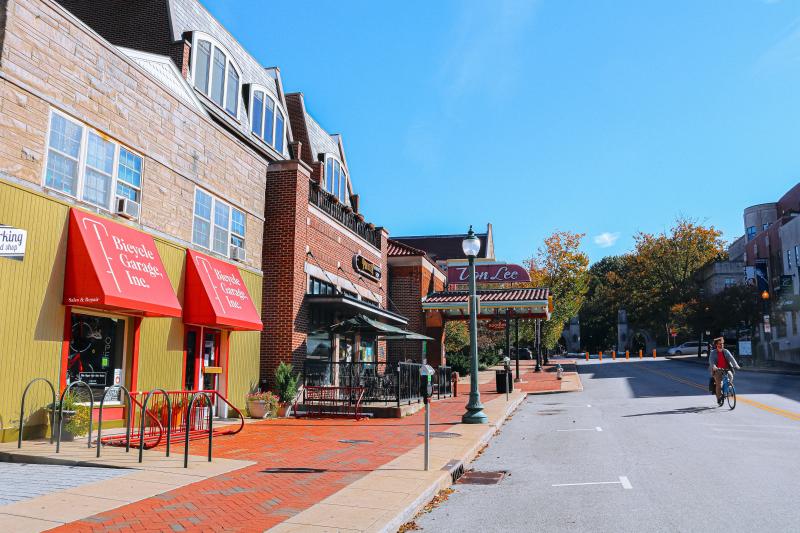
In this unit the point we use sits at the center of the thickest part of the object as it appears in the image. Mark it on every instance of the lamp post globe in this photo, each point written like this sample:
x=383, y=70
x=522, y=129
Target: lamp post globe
x=765, y=295
x=471, y=245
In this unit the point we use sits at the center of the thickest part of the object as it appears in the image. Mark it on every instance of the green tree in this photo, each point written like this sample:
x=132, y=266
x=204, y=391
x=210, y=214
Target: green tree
x=604, y=297
x=456, y=336
x=562, y=267
x=660, y=280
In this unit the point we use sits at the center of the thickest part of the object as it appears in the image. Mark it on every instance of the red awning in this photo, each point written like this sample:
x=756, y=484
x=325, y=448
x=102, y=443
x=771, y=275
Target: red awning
x=216, y=296
x=114, y=267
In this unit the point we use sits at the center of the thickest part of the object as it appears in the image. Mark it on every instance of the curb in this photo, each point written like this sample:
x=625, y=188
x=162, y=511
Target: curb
x=703, y=362
x=445, y=480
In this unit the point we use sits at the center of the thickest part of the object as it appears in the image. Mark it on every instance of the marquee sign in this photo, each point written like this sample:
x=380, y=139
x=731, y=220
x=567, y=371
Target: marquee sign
x=491, y=273
x=364, y=266
x=12, y=242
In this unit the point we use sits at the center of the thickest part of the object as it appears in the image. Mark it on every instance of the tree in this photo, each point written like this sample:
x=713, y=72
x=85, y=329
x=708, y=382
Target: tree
x=604, y=297
x=562, y=267
x=661, y=278
x=456, y=336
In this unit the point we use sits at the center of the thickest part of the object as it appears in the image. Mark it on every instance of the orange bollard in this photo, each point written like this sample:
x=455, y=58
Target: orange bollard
x=601, y=356
x=627, y=355
x=654, y=353
x=614, y=355
x=587, y=355
x=640, y=354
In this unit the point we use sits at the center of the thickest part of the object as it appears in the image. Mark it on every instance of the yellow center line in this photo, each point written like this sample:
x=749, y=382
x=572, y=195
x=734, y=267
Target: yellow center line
x=791, y=415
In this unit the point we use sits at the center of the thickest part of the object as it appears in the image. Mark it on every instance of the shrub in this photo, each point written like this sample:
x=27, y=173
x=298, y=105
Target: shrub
x=459, y=361
x=286, y=382
x=78, y=423
x=270, y=401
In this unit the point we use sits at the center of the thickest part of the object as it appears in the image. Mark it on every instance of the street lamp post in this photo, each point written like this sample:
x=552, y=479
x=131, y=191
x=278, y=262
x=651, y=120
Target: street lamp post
x=767, y=327
x=700, y=325
x=474, y=415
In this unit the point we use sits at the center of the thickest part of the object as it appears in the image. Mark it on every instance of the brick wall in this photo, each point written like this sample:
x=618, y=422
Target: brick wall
x=50, y=59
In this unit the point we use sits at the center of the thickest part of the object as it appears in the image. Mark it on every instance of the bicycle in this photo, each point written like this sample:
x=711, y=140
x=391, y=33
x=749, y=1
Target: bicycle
x=728, y=390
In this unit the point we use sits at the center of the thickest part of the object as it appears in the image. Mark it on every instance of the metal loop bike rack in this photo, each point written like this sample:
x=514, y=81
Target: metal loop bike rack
x=188, y=422
x=22, y=409
x=144, y=414
x=127, y=421
x=61, y=412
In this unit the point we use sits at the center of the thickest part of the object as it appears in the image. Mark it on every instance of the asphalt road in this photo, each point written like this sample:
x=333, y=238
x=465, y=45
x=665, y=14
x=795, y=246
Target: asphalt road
x=642, y=448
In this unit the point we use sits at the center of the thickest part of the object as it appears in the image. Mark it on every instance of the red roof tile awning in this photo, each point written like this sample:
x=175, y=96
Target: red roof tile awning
x=530, y=302
x=114, y=267
x=216, y=296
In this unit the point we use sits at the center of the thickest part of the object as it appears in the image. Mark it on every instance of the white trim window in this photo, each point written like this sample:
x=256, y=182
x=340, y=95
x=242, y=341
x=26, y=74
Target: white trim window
x=267, y=120
x=336, y=181
x=217, y=225
x=215, y=74
x=87, y=165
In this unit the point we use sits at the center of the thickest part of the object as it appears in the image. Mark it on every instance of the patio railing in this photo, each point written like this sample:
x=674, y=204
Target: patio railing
x=397, y=383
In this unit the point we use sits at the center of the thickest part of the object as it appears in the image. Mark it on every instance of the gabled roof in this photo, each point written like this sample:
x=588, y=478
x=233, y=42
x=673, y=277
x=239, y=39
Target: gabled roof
x=164, y=70
x=398, y=249
x=444, y=247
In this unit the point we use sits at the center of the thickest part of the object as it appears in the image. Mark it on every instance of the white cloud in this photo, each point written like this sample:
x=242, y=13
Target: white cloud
x=606, y=239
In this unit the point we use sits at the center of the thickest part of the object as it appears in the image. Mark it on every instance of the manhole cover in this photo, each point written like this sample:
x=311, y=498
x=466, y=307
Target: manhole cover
x=474, y=477
x=441, y=435
x=355, y=441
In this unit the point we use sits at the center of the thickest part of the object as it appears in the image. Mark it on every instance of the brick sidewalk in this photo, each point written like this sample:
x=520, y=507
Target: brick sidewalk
x=298, y=463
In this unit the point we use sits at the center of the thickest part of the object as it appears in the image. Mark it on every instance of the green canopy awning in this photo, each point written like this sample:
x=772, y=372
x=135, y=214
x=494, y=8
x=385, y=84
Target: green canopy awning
x=365, y=325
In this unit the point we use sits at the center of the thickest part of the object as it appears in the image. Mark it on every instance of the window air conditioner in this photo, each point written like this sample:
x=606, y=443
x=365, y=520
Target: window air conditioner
x=127, y=208
x=238, y=254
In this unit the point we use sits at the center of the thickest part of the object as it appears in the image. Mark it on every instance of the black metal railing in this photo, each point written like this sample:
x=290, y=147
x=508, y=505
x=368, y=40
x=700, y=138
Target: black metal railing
x=398, y=383
x=344, y=215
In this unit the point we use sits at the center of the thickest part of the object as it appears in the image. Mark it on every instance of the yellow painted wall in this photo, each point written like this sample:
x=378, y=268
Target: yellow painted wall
x=31, y=314
x=244, y=350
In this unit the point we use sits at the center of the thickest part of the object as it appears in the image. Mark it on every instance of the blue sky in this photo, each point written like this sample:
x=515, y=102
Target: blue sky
x=601, y=117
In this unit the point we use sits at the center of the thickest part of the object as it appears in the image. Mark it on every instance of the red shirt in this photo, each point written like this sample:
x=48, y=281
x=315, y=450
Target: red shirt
x=721, y=361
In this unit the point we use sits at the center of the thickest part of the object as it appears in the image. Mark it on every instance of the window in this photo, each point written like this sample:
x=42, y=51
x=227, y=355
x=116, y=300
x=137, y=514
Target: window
x=765, y=227
x=266, y=120
x=85, y=164
x=371, y=302
x=96, y=353
x=217, y=226
x=751, y=232
x=351, y=294
x=788, y=259
x=215, y=74
x=336, y=180
x=797, y=256
x=729, y=282
x=317, y=286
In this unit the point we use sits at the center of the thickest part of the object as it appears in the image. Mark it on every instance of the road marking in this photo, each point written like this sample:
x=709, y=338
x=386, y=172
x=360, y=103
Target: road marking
x=598, y=428
x=623, y=480
x=580, y=429
x=588, y=405
x=791, y=415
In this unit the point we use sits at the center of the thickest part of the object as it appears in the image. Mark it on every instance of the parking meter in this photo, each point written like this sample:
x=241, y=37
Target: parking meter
x=426, y=373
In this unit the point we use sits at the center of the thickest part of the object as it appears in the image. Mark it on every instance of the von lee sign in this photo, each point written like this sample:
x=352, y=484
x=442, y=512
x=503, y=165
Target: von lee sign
x=492, y=273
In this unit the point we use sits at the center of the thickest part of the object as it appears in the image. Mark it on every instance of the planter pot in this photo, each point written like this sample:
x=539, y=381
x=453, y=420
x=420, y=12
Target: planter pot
x=283, y=409
x=66, y=436
x=257, y=408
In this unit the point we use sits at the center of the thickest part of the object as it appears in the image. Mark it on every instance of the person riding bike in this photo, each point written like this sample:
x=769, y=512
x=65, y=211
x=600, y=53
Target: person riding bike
x=720, y=361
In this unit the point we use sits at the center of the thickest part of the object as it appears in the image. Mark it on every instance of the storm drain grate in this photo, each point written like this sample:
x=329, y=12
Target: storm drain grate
x=441, y=435
x=456, y=469
x=355, y=441
x=474, y=477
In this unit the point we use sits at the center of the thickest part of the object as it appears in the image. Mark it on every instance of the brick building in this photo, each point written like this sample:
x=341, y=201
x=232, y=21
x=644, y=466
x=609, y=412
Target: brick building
x=131, y=165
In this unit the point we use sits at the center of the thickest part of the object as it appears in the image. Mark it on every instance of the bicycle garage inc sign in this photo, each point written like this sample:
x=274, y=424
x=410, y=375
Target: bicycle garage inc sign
x=492, y=273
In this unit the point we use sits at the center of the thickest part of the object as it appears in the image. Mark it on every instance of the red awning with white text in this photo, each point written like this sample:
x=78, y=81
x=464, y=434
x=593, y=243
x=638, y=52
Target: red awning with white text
x=115, y=267
x=216, y=295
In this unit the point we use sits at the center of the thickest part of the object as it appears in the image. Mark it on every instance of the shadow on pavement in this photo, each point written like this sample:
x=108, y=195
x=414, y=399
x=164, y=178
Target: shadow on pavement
x=682, y=411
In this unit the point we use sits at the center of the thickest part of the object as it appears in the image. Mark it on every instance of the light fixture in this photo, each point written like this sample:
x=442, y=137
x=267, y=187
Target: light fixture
x=471, y=244
x=765, y=295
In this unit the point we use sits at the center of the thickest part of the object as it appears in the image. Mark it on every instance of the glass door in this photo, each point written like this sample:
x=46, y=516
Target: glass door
x=192, y=355
x=211, y=362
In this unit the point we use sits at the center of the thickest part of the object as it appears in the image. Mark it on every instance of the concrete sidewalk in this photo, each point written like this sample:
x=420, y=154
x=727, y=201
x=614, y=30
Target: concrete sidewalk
x=302, y=474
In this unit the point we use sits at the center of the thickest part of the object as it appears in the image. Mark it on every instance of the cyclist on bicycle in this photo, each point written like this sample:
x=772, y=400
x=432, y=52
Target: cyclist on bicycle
x=720, y=361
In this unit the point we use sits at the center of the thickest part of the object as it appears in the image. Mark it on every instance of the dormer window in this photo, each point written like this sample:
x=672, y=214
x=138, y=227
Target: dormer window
x=336, y=180
x=215, y=74
x=266, y=118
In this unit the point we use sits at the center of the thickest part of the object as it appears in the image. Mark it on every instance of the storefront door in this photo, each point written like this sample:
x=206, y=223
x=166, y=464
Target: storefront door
x=191, y=366
x=211, y=360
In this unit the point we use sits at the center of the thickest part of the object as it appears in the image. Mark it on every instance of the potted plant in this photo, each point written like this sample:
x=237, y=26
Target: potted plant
x=76, y=418
x=262, y=404
x=286, y=386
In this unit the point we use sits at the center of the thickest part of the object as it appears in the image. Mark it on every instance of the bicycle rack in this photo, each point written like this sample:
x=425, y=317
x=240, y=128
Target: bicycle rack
x=22, y=409
x=61, y=412
x=127, y=421
x=144, y=412
x=188, y=421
